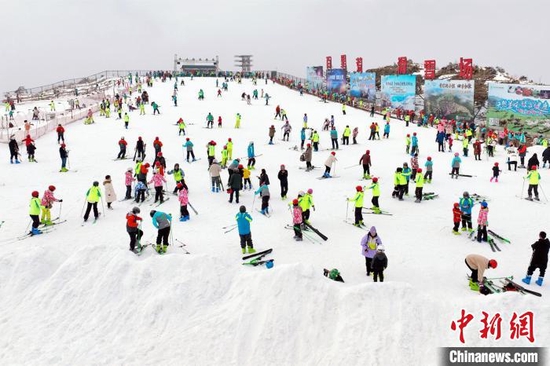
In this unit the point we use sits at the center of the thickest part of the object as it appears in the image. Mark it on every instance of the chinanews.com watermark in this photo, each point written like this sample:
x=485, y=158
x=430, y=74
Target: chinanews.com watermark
x=494, y=356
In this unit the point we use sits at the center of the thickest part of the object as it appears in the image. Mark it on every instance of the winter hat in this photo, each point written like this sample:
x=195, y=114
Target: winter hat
x=374, y=180
x=408, y=135
x=414, y=134
x=283, y=166
x=301, y=193
x=152, y=213
x=380, y=248
x=242, y=209
x=493, y=263
x=419, y=170
x=359, y=189
x=310, y=191
x=542, y=234
x=496, y=164
x=229, y=139
x=35, y=193
x=368, y=152
x=534, y=167
x=429, y=158
x=456, y=204
x=333, y=153
x=484, y=204
x=295, y=202
x=465, y=194
x=187, y=139
x=240, y=166
x=136, y=210
x=96, y=183
x=159, y=154
x=456, y=154
x=214, y=161
x=63, y=145
x=51, y=188
x=308, y=145
x=157, y=163
x=399, y=170
x=139, y=138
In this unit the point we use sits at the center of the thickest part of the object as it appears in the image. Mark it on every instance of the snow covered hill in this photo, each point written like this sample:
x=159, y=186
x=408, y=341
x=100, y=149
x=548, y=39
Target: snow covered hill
x=77, y=296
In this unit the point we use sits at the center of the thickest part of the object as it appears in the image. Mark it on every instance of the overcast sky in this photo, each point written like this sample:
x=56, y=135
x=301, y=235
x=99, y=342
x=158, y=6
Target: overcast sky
x=45, y=41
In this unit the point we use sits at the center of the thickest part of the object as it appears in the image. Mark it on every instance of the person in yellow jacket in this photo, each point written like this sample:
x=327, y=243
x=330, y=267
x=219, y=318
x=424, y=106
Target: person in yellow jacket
x=224, y=157
x=229, y=145
x=246, y=178
x=465, y=145
x=343, y=109
x=399, y=182
x=345, y=135
x=358, y=199
x=305, y=200
x=534, y=177
x=238, y=121
x=419, y=180
x=92, y=197
x=34, y=213
x=375, y=186
x=315, y=140
x=408, y=143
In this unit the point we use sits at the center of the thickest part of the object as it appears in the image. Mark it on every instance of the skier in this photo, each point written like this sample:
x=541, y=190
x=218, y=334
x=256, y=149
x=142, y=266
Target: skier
x=399, y=183
x=64, y=154
x=210, y=120
x=46, y=204
x=283, y=115
x=496, y=172
x=264, y=178
x=386, y=130
x=139, y=192
x=244, y=219
x=229, y=145
x=343, y=109
x=315, y=140
x=466, y=205
x=406, y=172
x=122, y=146
x=60, y=133
x=429, y=169
x=546, y=157
x=161, y=160
x=246, y=178
x=369, y=243
x=379, y=264
x=534, y=177
x=365, y=160
x=162, y=221
x=408, y=143
x=188, y=145
x=211, y=151
x=419, y=180
x=482, y=222
x=354, y=135
x=308, y=156
x=283, y=179
x=534, y=160
x=465, y=146
x=126, y=120
x=235, y=184
x=457, y=215
x=334, y=138
x=455, y=164
x=345, y=135
x=157, y=144
x=110, y=195
x=183, y=197
x=306, y=202
x=297, y=220
x=155, y=108
x=328, y=164
x=128, y=180
x=139, y=149
x=93, y=195
x=271, y=134
x=522, y=151
x=178, y=177
x=477, y=149
x=333, y=274
x=414, y=166
x=214, y=170
x=238, y=120
x=133, y=227
x=287, y=128
x=539, y=259
x=263, y=191
x=224, y=157
x=277, y=112
x=414, y=144
x=302, y=138
x=181, y=127
x=220, y=122
x=478, y=264
x=34, y=213
x=158, y=181
x=201, y=94
x=375, y=195
x=358, y=199
x=251, y=156
x=14, y=150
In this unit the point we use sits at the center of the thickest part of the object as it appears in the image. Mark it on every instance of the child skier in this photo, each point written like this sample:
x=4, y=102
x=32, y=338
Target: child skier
x=429, y=169
x=93, y=195
x=283, y=179
x=188, y=145
x=358, y=199
x=251, y=156
x=375, y=195
x=369, y=243
x=297, y=220
x=184, y=200
x=47, y=201
x=110, y=195
x=132, y=227
x=496, y=172
x=365, y=160
x=328, y=164
x=482, y=222
x=466, y=205
x=455, y=165
x=128, y=180
x=263, y=191
x=244, y=219
x=214, y=171
x=379, y=264
x=246, y=178
x=419, y=185
x=140, y=190
x=457, y=215
x=539, y=259
x=34, y=212
x=158, y=181
x=162, y=222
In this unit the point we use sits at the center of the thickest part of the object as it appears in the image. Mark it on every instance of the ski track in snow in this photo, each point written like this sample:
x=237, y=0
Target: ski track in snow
x=78, y=296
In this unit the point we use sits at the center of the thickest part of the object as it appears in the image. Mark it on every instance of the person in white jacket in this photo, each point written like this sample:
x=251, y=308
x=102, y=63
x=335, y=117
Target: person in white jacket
x=328, y=164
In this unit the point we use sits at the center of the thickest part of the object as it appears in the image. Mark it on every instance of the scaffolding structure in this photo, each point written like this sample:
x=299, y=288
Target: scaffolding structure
x=244, y=62
x=196, y=64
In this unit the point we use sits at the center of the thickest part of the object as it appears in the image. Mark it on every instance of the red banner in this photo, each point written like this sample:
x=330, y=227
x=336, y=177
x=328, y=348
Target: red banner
x=343, y=62
x=429, y=69
x=402, y=65
x=466, y=68
x=329, y=62
x=359, y=63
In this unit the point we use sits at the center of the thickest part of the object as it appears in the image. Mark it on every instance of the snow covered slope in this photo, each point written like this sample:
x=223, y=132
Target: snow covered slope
x=78, y=296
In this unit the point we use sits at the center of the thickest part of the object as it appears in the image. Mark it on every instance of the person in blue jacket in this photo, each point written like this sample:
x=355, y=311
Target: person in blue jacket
x=455, y=165
x=162, y=221
x=440, y=141
x=414, y=144
x=466, y=205
x=251, y=156
x=302, y=138
x=243, y=225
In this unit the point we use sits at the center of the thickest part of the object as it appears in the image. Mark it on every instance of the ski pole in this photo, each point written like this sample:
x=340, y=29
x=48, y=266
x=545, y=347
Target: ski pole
x=254, y=200
x=522, y=187
x=171, y=234
x=27, y=228
x=347, y=209
x=351, y=166
x=68, y=163
x=544, y=194
x=334, y=173
x=60, y=205
x=83, y=205
x=103, y=206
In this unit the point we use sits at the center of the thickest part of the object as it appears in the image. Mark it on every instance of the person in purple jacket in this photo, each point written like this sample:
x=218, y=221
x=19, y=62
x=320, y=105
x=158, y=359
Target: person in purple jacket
x=369, y=244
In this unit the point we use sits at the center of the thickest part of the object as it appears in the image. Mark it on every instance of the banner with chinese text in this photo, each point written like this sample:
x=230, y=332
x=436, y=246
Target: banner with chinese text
x=398, y=91
x=449, y=99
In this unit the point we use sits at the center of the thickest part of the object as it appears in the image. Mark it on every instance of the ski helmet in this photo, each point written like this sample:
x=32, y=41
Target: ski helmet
x=484, y=204
x=359, y=189
x=534, y=167
x=456, y=205
x=301, y=193
x=129, y=169
x=51, y=188
x=496, y=164
x=368, y=152
x=493, y=263
x=122, y=138
x=419, y=170
x=399, y=170
x=187, y=139
x=152, y=213
x=159, y=154
x=374, y=180
x=179, y=185
x=242, y=209
x=63, y=145
x=35, y=193
x=136, y=210
x=333, y=153
x=456, y=154
x=295, y=202
x=96, y=183
x=465, y=194
x=229, y=139
x=380, y=248
x=414, y=134
x=310, y=191
x=429, y=158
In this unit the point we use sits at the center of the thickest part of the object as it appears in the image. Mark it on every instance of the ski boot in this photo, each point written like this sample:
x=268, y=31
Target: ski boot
x=474, y=286
x=17, y=161
x=299, y=239
x=217, y=189
x=182, y=218
x=159, y=249
x=11, y=161
x=530, y=198
x=251, y=250
x=164, y=248
x=539, y=281
x=537, y=198
x=526, y=280
x=213, y=189
x=376, y=210
x=244, y=250
x=186, y=218
x=35, y=231
x=456, y=232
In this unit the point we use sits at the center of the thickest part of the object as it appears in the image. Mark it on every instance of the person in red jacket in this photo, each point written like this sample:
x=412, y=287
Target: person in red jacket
x=157, y=145
x=457, y=217
x=60, y=133
x=122, y=145
x=28, y=140
x=132, y=227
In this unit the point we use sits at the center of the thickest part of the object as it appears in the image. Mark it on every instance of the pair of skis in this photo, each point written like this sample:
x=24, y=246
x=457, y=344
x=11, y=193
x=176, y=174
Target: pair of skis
x=257, y=259
x=507, y=285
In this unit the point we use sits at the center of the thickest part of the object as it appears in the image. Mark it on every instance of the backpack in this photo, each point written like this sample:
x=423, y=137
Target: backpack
x=303, y=157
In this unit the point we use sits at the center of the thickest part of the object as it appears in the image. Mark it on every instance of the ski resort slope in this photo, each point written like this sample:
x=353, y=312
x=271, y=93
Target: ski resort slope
x=77, y=296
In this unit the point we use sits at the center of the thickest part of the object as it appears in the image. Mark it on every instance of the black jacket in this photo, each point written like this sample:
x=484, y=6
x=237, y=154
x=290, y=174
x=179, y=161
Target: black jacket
x=533, y=161
x=236, y=181
x=380, y=261
x=540, y=251
x=283, y=176
x=14, y=147
x=546, y=154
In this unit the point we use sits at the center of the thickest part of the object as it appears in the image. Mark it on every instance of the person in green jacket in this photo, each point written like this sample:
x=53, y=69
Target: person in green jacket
x=345, y=135
x=534, y=177
x=358, y=199
x=34, y=213
x=92, y=197
x=419, y=180
x=375, y=195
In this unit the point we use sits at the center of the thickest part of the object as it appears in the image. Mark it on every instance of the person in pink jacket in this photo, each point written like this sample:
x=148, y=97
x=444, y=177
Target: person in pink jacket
x=184, y=200
x=46, y=204
x=158, y=181
x=297, y=220
x=482, y=222
x=128, y=180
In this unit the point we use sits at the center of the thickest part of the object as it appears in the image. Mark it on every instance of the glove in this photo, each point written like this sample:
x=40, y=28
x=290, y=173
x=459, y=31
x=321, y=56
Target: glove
x=60, y=201
x=313, y=208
